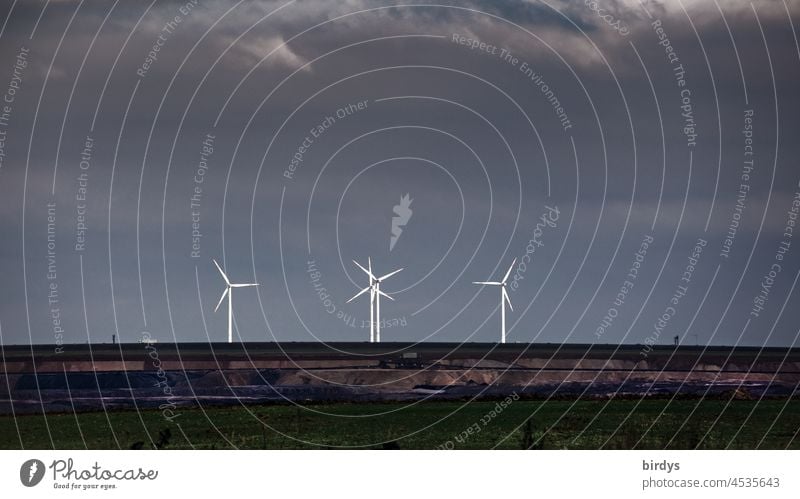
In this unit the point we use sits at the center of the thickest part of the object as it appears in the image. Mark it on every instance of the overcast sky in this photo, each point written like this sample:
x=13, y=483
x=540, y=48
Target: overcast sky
x=621, y=122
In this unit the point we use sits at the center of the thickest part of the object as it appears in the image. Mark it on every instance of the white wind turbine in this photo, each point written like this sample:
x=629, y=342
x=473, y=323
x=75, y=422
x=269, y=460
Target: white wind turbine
x=375, y=294
x=229, y=292
x=503, y=300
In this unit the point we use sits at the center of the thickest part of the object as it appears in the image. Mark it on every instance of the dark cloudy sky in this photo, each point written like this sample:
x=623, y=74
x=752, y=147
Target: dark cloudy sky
x=476, y=139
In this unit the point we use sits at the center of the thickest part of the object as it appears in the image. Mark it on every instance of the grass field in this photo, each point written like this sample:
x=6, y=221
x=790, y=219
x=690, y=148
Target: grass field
x=558, y=424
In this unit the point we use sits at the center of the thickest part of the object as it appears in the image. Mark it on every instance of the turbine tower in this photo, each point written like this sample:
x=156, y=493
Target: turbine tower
x=229, y=292
x=375, y=294
x=503, y=300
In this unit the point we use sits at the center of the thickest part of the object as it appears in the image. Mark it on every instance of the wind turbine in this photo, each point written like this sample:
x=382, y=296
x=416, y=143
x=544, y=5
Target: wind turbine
x=503, y=300
x=371, y=289
x=229, y=292
x=375, y=294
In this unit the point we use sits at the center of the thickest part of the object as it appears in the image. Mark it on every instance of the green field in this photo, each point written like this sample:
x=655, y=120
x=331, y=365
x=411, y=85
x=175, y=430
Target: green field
x=556, y=424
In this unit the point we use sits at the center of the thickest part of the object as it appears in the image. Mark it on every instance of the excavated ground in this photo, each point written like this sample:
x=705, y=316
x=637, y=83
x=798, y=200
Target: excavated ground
x=148, y=376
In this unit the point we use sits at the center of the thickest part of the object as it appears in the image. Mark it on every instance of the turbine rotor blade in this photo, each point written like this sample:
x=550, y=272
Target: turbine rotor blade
x=507, y=299
x=390, y=274
x=505, y=278
x=222, y=298
x=384, y=294
x=221, y=272
x=368, y=288
x=243, y=285
x=488, y=283
x=368, y=272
